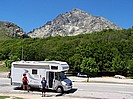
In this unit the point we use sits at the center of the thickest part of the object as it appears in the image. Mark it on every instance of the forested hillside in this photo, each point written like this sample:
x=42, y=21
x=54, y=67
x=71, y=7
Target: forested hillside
x=108, y=51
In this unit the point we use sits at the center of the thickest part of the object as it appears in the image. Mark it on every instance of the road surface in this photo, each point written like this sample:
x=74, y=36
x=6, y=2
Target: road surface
x=103, y=91
x=81, y=90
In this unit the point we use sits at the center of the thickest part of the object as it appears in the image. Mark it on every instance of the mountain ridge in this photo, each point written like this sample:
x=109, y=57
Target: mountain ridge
x=12, y=30
x=73, y=23
x=70, y=23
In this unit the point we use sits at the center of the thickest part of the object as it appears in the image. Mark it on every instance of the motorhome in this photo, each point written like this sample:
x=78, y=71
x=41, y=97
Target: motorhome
x=53, y=71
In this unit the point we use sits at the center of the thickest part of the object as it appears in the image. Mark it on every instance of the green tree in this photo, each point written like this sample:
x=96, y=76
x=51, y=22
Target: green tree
x=130, y=67
x=89, y=66
x=75, y=62
x=10, y=60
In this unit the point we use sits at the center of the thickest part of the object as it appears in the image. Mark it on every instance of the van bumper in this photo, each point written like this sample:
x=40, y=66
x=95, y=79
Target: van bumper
x=67, y=88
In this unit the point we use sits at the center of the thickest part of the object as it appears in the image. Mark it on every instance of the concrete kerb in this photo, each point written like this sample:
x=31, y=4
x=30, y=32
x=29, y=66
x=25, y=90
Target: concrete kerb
x=101, y=80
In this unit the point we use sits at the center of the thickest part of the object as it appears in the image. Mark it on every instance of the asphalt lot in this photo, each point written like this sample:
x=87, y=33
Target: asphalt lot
x=96, y=88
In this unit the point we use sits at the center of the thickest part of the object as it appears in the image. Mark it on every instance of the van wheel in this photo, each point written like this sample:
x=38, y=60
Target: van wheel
x=59, y=90
x=11, y=81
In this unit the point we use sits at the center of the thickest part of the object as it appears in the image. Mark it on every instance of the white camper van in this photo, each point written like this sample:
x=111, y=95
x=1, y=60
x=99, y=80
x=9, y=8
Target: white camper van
x=53, y=71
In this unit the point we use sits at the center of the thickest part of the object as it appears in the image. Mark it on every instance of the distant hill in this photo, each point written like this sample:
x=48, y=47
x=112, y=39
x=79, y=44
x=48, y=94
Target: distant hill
x=10, y=30
x=73, y=23
x=3, y=36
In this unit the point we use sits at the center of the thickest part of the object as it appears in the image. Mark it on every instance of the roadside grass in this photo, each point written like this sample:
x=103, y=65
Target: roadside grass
x=4, y=97
x=8, y=97
x=3, y=68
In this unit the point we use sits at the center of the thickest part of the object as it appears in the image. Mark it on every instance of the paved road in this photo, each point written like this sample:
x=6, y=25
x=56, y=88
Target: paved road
x=5, y=86
x=81, y=90
x=103, y=90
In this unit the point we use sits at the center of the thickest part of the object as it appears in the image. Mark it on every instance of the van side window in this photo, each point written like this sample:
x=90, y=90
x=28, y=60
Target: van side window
x=57, y=76
x=54, y=67
x=34, y=71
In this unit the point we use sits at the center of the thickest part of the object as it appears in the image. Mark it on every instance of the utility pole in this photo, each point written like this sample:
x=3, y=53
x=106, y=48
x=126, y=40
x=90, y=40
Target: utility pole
x=22, y=54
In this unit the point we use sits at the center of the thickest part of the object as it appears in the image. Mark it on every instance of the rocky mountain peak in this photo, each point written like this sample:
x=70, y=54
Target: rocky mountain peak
x=12, y=29
x=78, y=11
x=73, y=23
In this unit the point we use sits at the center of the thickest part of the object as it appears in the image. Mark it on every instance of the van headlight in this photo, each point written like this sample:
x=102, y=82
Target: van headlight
x=64, y=83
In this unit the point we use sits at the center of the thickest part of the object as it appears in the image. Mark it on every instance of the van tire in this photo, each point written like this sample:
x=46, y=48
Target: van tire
x=59, y=90
x=11, y=81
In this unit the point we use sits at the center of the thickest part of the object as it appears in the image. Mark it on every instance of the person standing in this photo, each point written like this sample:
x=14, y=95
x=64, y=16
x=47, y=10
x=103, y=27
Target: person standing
x=43, y=82
x=25, y=82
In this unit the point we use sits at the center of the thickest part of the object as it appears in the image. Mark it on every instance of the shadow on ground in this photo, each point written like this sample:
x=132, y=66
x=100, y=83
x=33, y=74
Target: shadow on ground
x=48, y=90
x=62, y=94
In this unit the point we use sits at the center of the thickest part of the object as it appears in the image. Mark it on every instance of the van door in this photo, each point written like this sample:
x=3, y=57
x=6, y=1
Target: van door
x=57, y=80
x=51, y=78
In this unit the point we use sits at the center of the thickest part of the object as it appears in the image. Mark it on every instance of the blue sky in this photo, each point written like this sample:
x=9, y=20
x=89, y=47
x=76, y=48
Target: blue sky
x=31, y=14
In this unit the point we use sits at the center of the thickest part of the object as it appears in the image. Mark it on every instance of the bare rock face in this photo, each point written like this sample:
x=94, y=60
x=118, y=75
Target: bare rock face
x=73, y=23
x=12, y=30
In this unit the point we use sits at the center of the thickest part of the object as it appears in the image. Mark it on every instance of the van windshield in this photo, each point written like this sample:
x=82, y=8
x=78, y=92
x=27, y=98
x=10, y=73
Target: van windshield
x=60, y=76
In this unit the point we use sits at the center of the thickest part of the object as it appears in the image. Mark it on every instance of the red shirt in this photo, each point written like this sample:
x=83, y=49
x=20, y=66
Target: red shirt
x=24, y=79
